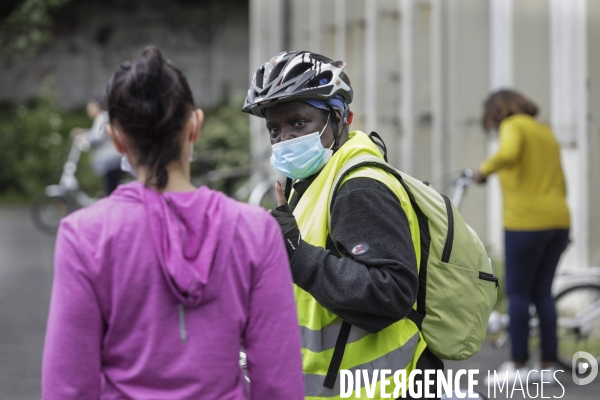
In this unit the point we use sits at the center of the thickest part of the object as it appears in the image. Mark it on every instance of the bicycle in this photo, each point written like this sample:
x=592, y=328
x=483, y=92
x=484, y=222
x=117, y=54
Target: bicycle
x=578, y=312
x=57, y=201
x=258, y=189
x=577, y=301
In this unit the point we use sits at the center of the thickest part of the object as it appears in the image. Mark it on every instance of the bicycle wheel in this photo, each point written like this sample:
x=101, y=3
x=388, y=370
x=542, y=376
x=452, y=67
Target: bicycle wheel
x=47, y=211
x=264, y=195
x=578, y=322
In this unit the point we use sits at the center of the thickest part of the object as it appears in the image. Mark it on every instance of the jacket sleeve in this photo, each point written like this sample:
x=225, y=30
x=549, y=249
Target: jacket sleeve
x=71, y=362
x=272, y=337
x=511, y=143
x=376, y=285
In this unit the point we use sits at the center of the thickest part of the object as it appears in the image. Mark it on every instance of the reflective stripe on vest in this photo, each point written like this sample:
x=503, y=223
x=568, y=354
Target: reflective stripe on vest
x=324, y=339
x=394, y=360
x=395, y=347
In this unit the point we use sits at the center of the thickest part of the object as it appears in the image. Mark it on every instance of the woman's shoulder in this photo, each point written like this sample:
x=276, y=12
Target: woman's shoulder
x=520, y=121
x=110, y=211
x=523, y=123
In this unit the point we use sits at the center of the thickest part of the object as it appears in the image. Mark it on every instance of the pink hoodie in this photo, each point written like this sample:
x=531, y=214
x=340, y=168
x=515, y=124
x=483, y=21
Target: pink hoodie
x=155, y=293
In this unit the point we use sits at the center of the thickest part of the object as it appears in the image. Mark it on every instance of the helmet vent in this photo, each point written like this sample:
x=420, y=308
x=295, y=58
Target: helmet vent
x=275, y=72
x=322, y=79
x=297, y=70
x=259, y=77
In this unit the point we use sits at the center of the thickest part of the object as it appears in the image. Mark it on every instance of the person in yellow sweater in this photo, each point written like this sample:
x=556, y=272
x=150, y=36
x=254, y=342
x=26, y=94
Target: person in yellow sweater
x=536, y=222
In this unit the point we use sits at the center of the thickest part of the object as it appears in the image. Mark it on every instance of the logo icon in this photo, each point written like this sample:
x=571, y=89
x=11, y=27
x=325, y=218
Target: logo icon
x=360, y=249
x=582, y=368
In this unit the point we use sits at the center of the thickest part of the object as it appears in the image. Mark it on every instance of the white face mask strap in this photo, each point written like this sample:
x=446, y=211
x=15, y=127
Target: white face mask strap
x=327, y=123
x=332, y=143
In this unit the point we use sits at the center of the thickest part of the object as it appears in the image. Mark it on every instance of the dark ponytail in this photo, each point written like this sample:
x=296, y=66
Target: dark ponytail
x=150, y=99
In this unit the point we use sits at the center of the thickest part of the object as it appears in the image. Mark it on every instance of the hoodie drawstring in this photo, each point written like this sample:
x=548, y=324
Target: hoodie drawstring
x=182, y=332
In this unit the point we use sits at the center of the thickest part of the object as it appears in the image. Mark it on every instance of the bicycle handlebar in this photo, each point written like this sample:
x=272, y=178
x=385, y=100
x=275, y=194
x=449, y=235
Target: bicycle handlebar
x=460, y=185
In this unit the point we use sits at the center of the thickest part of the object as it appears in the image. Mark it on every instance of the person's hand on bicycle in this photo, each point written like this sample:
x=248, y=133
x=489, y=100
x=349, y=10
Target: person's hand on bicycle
x=287, y=222
x=478, y=177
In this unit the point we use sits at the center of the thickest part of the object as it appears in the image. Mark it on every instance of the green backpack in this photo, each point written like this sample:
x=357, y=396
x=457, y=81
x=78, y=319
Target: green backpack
x=457, y=285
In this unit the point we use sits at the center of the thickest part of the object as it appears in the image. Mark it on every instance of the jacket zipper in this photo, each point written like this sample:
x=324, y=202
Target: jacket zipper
x=182, y=330
x=450, y=237
x=489, y=277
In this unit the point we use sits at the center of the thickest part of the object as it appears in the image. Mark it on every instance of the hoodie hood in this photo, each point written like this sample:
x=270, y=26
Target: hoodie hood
x=191, y=237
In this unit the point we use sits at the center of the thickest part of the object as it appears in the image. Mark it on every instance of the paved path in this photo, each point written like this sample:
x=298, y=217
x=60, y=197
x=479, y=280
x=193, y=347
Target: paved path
x=25, y=281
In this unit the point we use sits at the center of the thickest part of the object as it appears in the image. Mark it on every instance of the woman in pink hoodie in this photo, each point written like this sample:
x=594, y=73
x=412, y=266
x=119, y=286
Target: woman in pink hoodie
x=158, y=286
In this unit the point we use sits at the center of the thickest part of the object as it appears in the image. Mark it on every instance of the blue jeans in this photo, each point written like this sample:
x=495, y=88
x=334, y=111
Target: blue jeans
x=531, y=260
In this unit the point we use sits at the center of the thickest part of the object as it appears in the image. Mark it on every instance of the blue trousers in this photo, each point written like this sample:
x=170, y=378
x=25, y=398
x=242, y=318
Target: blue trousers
x=531, y=260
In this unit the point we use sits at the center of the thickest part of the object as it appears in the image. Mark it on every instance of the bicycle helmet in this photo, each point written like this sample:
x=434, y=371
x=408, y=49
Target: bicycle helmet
x=296, y=75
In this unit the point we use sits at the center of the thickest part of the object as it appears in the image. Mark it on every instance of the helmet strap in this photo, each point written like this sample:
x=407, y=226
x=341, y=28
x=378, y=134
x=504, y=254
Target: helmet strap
x=334, y=124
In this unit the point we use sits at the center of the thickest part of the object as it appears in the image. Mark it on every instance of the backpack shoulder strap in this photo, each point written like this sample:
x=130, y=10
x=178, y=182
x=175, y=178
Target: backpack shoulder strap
x=352, y=164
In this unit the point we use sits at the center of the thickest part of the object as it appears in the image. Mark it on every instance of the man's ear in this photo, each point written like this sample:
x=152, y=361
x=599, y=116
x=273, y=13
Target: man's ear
x=116, y=140
x=350, y=117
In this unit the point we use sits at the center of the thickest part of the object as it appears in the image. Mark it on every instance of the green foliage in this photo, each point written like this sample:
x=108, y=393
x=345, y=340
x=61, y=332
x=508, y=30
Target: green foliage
x=224, y=145
x=28, y=27
x=35, y=141
x=34, y=144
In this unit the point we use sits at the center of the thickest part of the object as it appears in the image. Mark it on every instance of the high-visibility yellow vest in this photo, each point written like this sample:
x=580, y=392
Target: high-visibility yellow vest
x=395, y=347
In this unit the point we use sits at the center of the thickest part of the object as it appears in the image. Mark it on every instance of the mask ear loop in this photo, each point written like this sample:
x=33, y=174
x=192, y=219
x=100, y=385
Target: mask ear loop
x=125, y=164
x=325, y=127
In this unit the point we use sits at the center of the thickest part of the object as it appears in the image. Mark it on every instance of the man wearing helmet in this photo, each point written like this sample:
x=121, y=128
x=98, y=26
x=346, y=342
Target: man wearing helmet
x=354, y=263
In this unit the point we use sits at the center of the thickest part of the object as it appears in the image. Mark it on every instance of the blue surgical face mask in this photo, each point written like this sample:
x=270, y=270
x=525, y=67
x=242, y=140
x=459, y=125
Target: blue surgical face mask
x=301, y=157
x=125, y=164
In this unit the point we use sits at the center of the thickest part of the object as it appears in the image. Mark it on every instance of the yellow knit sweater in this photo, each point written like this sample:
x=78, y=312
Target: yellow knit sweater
x=530, y=172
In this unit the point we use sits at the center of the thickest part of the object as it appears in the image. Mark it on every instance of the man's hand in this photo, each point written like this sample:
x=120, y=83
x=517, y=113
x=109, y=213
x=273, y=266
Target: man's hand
x=287, y=222
x=281, y=201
